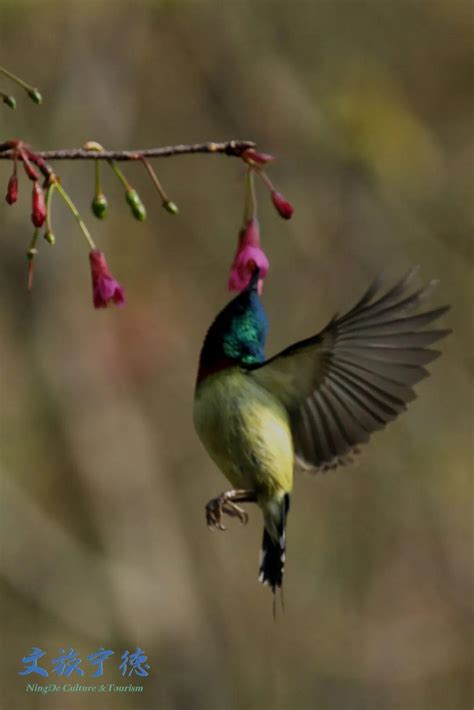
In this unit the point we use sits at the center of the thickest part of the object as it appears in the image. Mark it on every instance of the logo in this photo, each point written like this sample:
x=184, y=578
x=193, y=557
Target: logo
x=68, y=664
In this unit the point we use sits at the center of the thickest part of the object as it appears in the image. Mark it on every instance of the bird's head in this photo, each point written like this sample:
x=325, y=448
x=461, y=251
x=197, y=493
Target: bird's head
x=237, y=335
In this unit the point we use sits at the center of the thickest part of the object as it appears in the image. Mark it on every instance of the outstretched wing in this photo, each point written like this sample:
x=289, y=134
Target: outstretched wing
x=356, y=375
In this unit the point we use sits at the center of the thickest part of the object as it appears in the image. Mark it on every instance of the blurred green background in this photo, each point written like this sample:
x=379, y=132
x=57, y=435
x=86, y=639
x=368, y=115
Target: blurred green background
x=368, y=106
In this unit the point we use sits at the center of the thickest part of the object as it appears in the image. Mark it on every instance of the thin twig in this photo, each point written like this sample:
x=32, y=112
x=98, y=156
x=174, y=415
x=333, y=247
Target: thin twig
x=232, y=148
x=76, y=214
x=17, y=80
x=155, y=180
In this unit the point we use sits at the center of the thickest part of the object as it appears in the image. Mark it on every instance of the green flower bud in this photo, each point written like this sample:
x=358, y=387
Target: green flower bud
x=136, y=205
x=132, y=197
x=35, y=96
x=50, y=238
x=139, y=212
x=100, y=206
x=9, y=101
x=171, y=207
x=31, y=253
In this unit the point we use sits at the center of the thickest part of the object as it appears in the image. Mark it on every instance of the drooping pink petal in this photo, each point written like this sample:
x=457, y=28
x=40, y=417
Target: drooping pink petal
x=250, y=235
x=248, y=256
x=105, y=288
x=236, y=282
x=244, y=265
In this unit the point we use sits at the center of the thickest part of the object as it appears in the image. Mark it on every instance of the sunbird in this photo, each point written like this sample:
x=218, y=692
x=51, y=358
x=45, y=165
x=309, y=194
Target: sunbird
x=311, y=405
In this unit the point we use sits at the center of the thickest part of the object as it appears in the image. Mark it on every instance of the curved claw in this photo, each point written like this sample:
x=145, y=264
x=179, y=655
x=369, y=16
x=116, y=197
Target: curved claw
x=215, y=526
x=221, y=505
x=214, y=515
x=235, y=511
x=242, y=516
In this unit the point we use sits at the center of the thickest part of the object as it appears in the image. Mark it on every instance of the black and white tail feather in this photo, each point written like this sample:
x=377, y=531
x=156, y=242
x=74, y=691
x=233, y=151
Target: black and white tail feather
x=272, y=554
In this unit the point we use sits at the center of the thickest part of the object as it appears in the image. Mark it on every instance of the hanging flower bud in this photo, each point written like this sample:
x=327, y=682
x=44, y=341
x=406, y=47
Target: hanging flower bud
x=252, y=157
x=105, y=289
x=12, y=190
x=100, y=206
x=9, y=100
x=170, y=207
x=29, y=169
x=38, y=210
x=282, y=206
x=35, y=95
x=50, y=238
x=136, y=205
x=248, y=256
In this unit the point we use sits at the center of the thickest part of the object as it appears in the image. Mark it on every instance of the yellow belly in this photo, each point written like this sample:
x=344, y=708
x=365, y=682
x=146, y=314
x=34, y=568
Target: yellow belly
x=246, y=432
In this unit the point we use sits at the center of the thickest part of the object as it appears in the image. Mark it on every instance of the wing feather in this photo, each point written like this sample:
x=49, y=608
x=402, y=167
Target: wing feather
x=393, y=326
x=323, y=448
x=353, y=432
x=339, y=443
x=357, y=374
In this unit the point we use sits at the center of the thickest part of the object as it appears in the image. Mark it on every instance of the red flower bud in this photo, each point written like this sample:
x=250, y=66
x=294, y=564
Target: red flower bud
x=29, y=169
x=12, y=190
x=282, y=206
x=38, y=210
x=251, y=157
x=105, y=288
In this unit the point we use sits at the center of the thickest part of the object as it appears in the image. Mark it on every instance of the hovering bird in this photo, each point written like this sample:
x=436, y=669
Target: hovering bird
x=311, y=405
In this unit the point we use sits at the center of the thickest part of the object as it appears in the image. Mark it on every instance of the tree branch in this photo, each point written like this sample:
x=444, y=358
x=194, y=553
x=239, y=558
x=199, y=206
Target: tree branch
x=232, y=148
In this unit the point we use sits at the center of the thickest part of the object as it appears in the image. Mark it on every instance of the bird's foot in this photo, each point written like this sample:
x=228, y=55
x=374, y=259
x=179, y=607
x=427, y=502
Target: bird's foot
x=235, y=511
x=221, y=505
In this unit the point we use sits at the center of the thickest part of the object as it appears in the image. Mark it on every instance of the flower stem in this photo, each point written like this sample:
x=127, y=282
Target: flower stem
x=96, y=147
x=76, y=214
x=49, y=194
x=266, y=180
x=34, y=239
x=250, y=204
x=154, y=177
x=120, y=175
x=97, y=178
x=32, y=91
x=31, y=253
x=16, y=79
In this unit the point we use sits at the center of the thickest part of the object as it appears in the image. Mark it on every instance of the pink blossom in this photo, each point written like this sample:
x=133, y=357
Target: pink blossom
x=105, y=288
x=249, y=255
x=283, y=207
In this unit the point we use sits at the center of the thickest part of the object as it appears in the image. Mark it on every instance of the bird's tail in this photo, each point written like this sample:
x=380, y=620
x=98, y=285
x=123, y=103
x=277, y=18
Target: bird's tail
x=272, y=555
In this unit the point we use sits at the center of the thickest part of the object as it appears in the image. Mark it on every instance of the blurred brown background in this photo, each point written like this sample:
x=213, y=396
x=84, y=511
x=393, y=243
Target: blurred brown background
x=368, y=106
